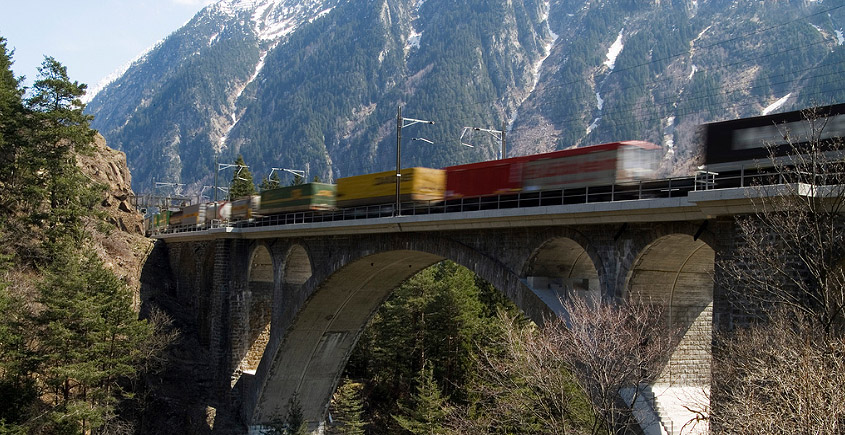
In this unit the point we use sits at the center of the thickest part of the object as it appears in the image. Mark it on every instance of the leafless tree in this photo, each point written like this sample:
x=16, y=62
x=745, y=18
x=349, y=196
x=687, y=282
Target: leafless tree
x=783, y=371
x=613, y=348
x=568, y=376
x=795, y=237
x=783, y=377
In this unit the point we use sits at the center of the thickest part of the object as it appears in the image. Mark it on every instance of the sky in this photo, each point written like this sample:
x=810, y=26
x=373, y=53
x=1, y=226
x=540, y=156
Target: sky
x=92, y=38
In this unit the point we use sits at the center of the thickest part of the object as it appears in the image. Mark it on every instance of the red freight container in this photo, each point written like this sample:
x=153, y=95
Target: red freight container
x=598, y=165
x=494, y=177
x=588, y=166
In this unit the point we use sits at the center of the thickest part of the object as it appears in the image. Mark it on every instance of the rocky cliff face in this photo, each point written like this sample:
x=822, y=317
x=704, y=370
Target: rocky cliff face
x=120, y=242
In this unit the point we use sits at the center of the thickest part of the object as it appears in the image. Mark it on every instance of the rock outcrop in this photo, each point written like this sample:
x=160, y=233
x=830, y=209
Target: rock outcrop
x=119, y=237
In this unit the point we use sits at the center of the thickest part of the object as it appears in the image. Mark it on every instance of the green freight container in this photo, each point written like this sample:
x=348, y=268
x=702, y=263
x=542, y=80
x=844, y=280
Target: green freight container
x=304, y=197
x=162, y=219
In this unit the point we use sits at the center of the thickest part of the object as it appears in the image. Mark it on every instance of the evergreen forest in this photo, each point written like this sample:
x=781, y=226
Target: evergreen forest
x=72, y=350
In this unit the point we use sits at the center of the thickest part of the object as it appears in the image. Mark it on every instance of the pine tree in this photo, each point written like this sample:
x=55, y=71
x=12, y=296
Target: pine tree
x=428, y=410
x=295, y=423
x=13, y=115
x=272, y=183
x=59, y=128
x=242, y=184
x=348, y=409
x=89, y=338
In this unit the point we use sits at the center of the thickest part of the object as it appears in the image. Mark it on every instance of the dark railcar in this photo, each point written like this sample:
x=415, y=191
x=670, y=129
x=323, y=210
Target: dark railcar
x=748, y=142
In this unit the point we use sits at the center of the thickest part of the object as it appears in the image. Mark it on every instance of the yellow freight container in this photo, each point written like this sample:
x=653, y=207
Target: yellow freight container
x=418, y=184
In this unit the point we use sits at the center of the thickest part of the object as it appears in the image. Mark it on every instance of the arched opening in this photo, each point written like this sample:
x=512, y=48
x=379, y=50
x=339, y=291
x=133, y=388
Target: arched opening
x=326, y=329
x=437, y=320
x=297, y=268
x=260, y=288
x=561, y=269
x=312, y=354
x=676, y=271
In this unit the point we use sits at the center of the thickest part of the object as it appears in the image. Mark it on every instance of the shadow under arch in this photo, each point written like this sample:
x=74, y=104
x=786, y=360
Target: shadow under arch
x=297, y=268
x=676, y=271
x=310, y=359
x=260, y=282
x=562, y=268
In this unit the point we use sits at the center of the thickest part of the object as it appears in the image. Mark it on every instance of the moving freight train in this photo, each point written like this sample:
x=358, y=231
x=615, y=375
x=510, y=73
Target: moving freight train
x=599, y=165
x=732, y=148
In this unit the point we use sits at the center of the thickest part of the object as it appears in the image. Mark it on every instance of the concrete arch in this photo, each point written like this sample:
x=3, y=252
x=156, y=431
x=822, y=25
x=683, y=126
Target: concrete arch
x=297, y=267
x=676, y=270
x=259, y=301
x=316, y=345
x=561, y=268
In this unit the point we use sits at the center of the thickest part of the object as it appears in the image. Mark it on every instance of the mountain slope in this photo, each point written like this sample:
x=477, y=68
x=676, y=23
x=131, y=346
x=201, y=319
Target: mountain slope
x=315, y=84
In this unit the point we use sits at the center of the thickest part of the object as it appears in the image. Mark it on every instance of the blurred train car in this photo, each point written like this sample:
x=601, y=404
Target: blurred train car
x=606, y=164
x=416, y=185
x=156, y=222
x=197, y=215
x=192, y=215
x=243, y=208
x=221, y=212
x=750, y=143
x=304, y=197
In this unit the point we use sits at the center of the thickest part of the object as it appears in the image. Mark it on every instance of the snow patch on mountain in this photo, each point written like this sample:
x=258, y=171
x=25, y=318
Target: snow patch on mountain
x=545, y=53
x=221, y=144
x=547, y=46
x=275, y=19
x=776, y=105
x=669, y=136
x=614, y=50
x=610, y=63
x=413, y=40
x=593, y=126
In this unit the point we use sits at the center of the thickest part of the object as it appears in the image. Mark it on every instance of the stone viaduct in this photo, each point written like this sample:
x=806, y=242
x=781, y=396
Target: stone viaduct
x=280, y=308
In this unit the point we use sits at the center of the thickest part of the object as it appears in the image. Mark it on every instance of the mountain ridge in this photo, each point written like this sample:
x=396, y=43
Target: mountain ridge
x=315, y=85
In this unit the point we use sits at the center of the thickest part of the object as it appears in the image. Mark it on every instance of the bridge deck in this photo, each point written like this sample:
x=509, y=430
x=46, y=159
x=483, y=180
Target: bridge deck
x=695, y=205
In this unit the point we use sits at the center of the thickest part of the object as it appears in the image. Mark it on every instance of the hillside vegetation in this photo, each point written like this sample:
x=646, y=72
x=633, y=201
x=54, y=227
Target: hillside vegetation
x=71, y=344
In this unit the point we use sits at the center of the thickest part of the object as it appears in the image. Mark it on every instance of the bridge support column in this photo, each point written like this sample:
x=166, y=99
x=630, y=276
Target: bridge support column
x=219, y=310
